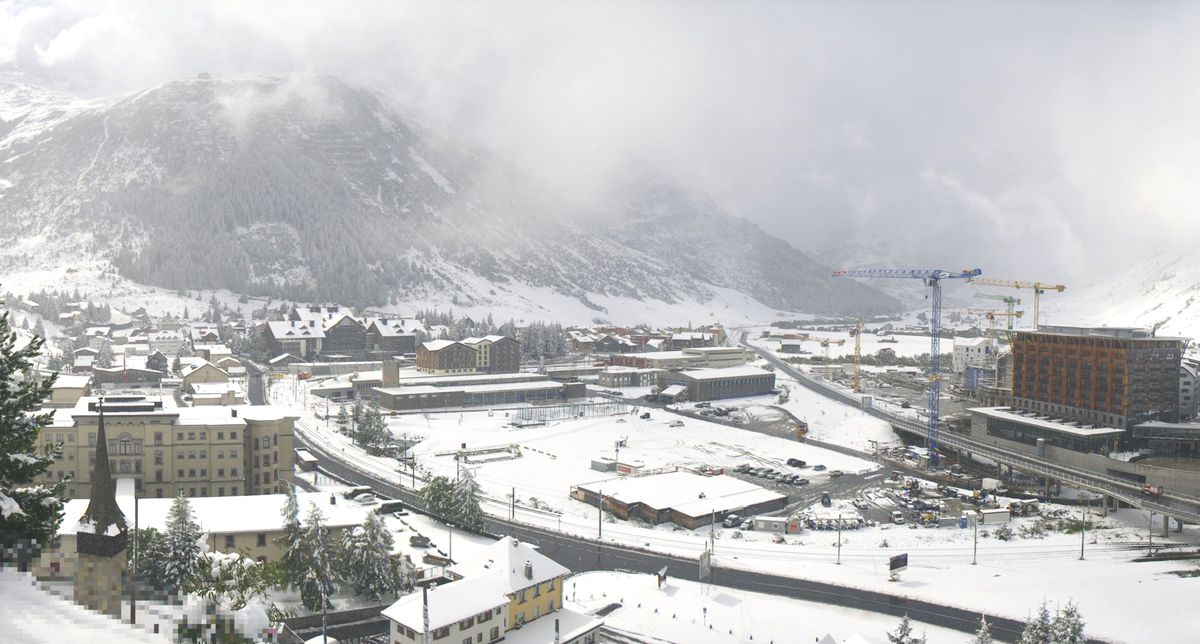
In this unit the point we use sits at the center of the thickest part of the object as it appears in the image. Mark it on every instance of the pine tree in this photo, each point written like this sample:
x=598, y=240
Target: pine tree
x=1068, y=626
x=356, y=416
x=984, y=634
x=1039, y=629
x=436, y=496
x=903, y=634
x=321, y=577
x=151, y=557
x=464, y=503
x=343, y=421
x=183, y=544
x=370, y=564
x=29, y=514
x=105, y=358
x=292, y=541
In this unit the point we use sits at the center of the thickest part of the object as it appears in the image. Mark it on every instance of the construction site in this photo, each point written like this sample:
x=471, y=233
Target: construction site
x=1052, y=408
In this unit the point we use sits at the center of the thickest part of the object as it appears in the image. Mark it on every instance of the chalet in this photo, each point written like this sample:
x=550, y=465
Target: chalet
x=299, y=338
x=344, y=334
x=158, y=361
x=199, y=370
x=392, y=337
x=614, y=344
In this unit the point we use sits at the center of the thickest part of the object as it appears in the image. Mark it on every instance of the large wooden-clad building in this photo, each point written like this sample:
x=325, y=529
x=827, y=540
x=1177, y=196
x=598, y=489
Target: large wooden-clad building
x=1106, y=376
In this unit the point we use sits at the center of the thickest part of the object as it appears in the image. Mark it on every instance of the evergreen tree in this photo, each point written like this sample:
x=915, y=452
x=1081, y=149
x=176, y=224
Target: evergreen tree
x=295, y=563
x=356, y=416
x=1068, y=626
x=984, y=634
x=904, y=634
x=321, y=576
x=1039, y=629
x=105, y=358
x=464, y=503
x=182, y=544
x=370, y=565
x=343, y=421
x=151, y=557
x=29, y=514
x=436, y=496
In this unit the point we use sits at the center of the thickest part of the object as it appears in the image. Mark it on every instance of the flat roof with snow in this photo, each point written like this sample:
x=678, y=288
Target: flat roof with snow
x=729, y=372
x=1006, y=413
x=691, y=494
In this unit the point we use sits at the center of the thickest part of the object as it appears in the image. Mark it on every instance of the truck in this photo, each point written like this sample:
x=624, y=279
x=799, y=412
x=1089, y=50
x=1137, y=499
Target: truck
x=990, y=484
x=1152, y=490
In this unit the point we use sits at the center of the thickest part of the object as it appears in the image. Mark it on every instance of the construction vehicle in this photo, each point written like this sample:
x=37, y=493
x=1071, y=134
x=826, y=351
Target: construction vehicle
x=933, y=279
x=1038, y=289
x=856, y=332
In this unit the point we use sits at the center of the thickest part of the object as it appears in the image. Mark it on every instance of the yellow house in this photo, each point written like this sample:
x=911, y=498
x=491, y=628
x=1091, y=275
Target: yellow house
x=509, y=591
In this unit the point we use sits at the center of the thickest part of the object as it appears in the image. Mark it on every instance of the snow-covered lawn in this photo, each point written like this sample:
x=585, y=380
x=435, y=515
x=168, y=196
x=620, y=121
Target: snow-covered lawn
x=686, y=611
x=904, y=345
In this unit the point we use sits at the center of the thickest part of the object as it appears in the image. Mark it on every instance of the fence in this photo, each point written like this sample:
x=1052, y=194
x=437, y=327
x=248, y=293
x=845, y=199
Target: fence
x=568, y=411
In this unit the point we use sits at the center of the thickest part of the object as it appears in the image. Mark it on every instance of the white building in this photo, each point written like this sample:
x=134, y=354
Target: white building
x=168, y=342
x=972, y=351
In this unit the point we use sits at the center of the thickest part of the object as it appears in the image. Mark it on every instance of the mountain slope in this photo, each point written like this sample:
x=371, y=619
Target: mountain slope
x=310, y=189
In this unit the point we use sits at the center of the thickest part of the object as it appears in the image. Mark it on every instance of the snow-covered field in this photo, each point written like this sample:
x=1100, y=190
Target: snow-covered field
x=905, y=345
x=1011, y=578
x=683, y=611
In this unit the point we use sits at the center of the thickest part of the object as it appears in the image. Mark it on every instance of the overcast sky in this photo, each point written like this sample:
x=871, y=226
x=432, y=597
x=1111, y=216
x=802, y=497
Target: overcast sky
x=1050, y=141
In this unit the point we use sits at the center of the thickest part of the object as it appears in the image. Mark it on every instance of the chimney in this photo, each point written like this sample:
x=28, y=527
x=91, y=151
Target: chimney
x=233, y=412
x=312, y=323
x=528, y=570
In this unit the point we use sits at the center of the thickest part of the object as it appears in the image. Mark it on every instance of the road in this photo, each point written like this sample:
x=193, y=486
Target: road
x=582, y=554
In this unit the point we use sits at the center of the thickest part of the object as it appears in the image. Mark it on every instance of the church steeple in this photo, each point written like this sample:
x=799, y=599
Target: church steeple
x=102, y=510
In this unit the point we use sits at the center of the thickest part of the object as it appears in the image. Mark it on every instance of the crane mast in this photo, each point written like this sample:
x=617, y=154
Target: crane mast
x=933, y=279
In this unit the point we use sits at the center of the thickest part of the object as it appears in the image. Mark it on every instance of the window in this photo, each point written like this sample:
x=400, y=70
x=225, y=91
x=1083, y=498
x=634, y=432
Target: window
x=203, y=436
x=229, y=541
x=204, y=491
x=234, y=491
x=233, y=472
x=439, y=633
x=221, y=491
x=275, y=458
x=191, y=454
x=158, y=438
x=180, y=473
x=203, y=453
x=494, y=633
x=233, y=435
x=191, y=474
x=537, y=612
x=233, y=453
x=191, y=436
x=179, y=455
x=191, y=491
x=137, y=467
x=158, y=457
x=262, y=539
x=521, y=595
x=220, y=471
x=467, y=640
x=220, y=436
x=275, y=440
x=91, y=440
x=203, y=472
x=178, y=436
x=256, y=443
x=220, y=453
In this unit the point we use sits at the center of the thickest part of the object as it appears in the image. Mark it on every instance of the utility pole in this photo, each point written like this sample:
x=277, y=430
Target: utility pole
x=425, y=614
x=1150, y=533
x=975, y=541
x=839, y=537
x=136, y=561
x=600, y=520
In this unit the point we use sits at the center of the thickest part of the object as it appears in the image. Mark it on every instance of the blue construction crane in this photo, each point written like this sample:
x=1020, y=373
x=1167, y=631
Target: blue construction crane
x=932, y=279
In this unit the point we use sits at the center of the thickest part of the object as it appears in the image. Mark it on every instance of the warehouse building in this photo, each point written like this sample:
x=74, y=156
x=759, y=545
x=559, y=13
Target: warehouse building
x=714, y=384
x=418, y=397
x=685, y=499
x=628, y=377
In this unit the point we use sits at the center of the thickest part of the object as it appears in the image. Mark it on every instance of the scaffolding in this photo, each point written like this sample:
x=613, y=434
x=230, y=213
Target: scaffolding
x=547, y=413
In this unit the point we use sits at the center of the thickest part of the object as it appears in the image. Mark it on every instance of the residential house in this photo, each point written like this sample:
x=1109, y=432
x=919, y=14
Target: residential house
x=303, y=339
x=392, y=337
x=614, y=344
x=496, y=354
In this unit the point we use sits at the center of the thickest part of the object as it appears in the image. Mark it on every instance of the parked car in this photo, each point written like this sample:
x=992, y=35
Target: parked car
x=836, y=473
x=731, y=521
x=898, y=517
x=748, y=524
x=801, y=482
x=365, y=498
x=818, y=468
x=675, y=423
x=645, y=416
x=825, y=500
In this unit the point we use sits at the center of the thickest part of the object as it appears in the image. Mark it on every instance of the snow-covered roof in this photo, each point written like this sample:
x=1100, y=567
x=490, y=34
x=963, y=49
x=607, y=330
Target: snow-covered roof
x=466, y=379
x=202, y=388
x=683, y=490
x=1005, y=413
x=437, y=345
x=448, y=604
x=970, y=343
x=727, y=372
x=187, y=370
x=284, y=358
x=506, y=560
x=227, y=514
x=673, y=390
x=571, y=626
x=70, y=381
x=292, y=330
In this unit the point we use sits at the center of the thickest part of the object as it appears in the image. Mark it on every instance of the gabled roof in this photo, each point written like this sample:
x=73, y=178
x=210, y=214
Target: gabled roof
x=189, y=369
x=284, y=358
x=438, y=345
x=292, y=330
x=448, y=604
x=505, y=560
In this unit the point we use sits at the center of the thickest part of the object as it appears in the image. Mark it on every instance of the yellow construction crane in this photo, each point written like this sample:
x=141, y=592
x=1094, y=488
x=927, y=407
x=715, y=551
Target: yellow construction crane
x=857, y=333
x=1037, y=287
x=992, y=314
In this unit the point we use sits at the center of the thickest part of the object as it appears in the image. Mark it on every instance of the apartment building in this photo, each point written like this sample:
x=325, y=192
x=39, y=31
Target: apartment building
x=165, y=449
x=444, y=357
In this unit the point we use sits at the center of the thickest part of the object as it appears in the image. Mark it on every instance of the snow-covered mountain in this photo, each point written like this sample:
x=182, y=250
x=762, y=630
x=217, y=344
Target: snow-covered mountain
x=1162, y=290
x=310, y=189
